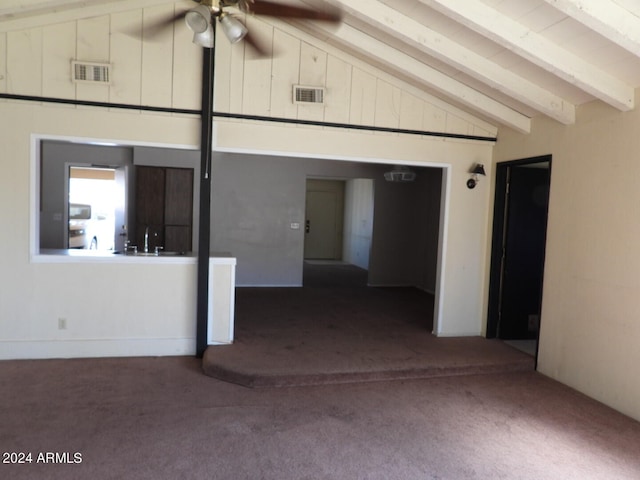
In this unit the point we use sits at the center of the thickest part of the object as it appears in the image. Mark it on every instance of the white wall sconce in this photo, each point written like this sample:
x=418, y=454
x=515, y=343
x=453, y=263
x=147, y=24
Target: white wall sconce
x=475, y=175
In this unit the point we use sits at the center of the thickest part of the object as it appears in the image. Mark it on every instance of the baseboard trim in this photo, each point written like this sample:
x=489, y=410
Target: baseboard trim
x=96, y=348
x=458, y=334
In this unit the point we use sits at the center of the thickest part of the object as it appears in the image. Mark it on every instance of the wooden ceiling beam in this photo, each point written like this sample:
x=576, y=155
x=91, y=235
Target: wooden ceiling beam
x=417, y=35
x=407, y=66
x=606, y=17
x=548, y=55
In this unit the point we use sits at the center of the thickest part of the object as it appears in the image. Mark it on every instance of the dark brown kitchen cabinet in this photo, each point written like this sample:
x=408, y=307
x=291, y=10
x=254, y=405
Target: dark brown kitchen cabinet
x=164, y=208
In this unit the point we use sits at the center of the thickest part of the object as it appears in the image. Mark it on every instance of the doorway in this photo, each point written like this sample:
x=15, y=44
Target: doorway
x=95, y=206
x=324, y=219
x=518, y=250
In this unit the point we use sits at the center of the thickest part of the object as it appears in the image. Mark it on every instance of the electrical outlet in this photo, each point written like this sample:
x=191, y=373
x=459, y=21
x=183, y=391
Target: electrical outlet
x=62, y=324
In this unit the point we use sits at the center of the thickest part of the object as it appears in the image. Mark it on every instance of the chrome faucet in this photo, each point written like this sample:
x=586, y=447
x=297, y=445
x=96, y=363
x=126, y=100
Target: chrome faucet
x=146, y=240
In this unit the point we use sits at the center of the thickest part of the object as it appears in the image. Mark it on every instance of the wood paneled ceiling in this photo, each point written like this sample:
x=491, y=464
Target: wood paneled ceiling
x=505, y=61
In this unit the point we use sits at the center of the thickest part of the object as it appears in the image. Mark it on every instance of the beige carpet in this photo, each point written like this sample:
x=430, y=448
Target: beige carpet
x=336, y=330
x=161, y=418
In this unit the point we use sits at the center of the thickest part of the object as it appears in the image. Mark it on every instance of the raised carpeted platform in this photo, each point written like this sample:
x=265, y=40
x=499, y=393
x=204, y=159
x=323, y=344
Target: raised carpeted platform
x=337, y=330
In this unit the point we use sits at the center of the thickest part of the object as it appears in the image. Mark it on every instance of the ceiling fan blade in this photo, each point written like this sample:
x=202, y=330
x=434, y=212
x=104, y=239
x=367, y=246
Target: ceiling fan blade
x=153, y=31
x=266, y=7
x=157, y=28
x=256, y=45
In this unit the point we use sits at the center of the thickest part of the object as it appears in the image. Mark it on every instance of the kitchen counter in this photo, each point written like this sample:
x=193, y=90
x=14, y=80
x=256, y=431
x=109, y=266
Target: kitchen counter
x=106, y=256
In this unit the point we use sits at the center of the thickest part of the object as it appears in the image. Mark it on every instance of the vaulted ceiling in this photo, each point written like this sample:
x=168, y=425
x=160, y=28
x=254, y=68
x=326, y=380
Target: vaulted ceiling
x=503, y=60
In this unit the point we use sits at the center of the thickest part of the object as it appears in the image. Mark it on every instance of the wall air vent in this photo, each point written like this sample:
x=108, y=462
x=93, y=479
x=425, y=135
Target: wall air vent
x=89, y=72
x=308, y=95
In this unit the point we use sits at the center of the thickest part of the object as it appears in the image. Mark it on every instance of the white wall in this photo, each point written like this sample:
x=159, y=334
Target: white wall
x=111, y=308
x=163, y=69
x=358, y=221
x=590, y=331
x=254, y=201
x=255, y=198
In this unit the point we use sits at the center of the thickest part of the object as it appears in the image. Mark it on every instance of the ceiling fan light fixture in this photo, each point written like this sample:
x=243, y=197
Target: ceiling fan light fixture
x=233, y=28
x=204, y=39
x=400, y=174
x=198, y=19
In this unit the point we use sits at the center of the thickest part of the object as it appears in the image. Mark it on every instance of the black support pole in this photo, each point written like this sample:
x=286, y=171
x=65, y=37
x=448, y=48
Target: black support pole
x=204, y=224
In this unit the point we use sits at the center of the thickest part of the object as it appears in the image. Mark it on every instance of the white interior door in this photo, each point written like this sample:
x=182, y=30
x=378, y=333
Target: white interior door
x=324, y=217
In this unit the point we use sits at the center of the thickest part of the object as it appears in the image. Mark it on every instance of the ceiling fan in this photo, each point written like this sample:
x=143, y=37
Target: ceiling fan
x=201, y=18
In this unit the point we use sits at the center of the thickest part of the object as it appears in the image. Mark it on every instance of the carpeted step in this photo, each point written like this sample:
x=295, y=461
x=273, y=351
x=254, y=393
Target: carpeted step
x=236, y=366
